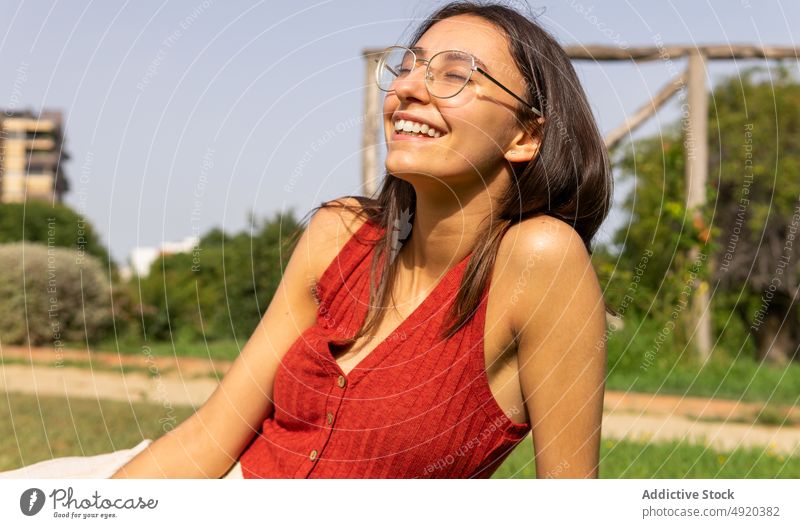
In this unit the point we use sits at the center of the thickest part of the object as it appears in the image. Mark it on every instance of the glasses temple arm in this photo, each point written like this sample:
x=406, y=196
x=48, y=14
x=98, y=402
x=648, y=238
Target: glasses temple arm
x=518, y=98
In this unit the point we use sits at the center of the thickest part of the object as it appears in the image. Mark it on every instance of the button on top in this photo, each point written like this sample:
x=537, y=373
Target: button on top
x=313, y=455
x=330, y=418
x=341, y=381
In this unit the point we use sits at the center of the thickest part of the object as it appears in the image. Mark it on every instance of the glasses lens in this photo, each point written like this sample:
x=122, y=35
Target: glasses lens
x=448, y=73
x=395, y=63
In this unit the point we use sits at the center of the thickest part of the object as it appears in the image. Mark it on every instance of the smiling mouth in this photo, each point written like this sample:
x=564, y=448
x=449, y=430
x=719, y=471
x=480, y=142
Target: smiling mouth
x=414, y=129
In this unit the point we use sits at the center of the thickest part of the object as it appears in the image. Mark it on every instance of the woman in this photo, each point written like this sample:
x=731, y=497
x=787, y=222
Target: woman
x=495, y=164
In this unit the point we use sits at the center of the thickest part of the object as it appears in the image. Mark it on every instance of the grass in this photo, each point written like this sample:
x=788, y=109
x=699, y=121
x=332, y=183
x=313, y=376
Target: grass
x=742, y=379
x=639, y=360
x=34, y=429
x=667, y=460
x=226, y=350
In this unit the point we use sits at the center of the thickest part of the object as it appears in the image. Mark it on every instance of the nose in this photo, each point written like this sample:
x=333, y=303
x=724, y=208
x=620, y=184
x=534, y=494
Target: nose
x=412, y=86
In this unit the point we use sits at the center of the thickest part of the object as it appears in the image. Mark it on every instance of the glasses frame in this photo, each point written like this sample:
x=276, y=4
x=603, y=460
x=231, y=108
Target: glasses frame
x=474, y=68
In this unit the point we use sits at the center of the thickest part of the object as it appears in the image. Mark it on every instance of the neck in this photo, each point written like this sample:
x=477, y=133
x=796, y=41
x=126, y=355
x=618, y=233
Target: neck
x=446, y=223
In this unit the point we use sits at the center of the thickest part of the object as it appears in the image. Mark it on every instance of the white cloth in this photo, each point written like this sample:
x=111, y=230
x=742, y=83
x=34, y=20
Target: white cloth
x=96, y=466
x=235, y=472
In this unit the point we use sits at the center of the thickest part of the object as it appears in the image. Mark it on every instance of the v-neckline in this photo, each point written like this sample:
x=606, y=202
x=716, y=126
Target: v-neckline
x=364, y=366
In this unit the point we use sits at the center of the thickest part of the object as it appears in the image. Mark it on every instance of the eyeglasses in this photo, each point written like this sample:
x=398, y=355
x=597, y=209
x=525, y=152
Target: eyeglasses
x=446, y=73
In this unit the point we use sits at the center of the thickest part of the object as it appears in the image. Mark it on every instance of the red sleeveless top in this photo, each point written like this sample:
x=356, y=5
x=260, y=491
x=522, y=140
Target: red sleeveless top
x=414, y=407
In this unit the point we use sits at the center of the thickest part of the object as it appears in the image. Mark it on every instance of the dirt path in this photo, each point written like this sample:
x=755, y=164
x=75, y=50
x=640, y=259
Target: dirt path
x=190, y=381
x=76, y=382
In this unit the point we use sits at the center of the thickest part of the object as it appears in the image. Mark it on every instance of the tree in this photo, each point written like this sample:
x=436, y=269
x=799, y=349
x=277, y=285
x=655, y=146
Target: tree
x=221, y=290
x=753, y=212
x=54, y=224
x=755, y=155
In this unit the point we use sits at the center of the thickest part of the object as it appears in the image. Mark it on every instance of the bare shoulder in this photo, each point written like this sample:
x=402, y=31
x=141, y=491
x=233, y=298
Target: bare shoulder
x=328, y=231
x=544, y=238
x=545, y=264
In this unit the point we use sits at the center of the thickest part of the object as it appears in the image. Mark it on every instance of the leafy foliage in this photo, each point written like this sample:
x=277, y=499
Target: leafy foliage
x=746, y=230
x=38, y=221
x=51, y=295
x=220, y=290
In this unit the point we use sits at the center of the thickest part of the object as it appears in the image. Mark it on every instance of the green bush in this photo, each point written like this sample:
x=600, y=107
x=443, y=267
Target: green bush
x=51, y=295
x=57, y=224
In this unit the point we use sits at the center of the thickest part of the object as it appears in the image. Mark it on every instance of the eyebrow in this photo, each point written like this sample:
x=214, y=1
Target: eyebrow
x=477, y=60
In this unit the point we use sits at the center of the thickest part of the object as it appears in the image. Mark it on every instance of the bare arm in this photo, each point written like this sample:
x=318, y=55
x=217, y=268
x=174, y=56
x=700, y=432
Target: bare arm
x=210, y=441
x=559, y=322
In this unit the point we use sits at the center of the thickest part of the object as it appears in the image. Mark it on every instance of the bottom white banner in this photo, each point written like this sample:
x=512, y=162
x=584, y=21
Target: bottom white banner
x=401, y=503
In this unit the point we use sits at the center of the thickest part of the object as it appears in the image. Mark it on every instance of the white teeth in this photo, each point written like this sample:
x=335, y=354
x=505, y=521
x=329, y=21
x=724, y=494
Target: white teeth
x=402, y=125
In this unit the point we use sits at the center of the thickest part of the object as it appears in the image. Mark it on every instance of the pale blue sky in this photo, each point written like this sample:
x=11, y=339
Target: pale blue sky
x=184, y=115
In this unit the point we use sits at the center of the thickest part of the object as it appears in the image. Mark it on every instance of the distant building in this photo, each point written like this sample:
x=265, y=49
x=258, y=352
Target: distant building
x=143, y=257
x=31, y=156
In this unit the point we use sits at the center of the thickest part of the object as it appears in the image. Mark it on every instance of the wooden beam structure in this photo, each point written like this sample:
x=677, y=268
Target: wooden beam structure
x=651, y=53
x=646, y=110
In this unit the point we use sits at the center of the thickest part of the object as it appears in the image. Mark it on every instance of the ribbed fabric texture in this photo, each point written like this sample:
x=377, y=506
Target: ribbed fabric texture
x=415, y=407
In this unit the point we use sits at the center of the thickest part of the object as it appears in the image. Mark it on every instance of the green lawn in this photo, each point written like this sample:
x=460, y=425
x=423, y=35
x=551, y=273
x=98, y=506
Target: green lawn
x=644, y=357
x=674, y=460
x=34, y=429
x=225, y=350
x=743, y=379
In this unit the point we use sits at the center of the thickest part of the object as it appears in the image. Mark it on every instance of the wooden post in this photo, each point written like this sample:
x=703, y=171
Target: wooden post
x=696, y=152
x=369, y=145
x=697, y=132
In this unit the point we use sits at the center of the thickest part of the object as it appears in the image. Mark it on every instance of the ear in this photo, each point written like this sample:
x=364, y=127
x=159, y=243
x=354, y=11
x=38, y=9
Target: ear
x=524, y=146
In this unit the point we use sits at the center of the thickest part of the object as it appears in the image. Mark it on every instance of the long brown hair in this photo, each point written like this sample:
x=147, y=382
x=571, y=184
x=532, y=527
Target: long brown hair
x=569, y=179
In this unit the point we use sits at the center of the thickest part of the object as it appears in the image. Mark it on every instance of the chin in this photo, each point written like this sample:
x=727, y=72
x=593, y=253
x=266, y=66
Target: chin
x=409, y=174
x=407, y=167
